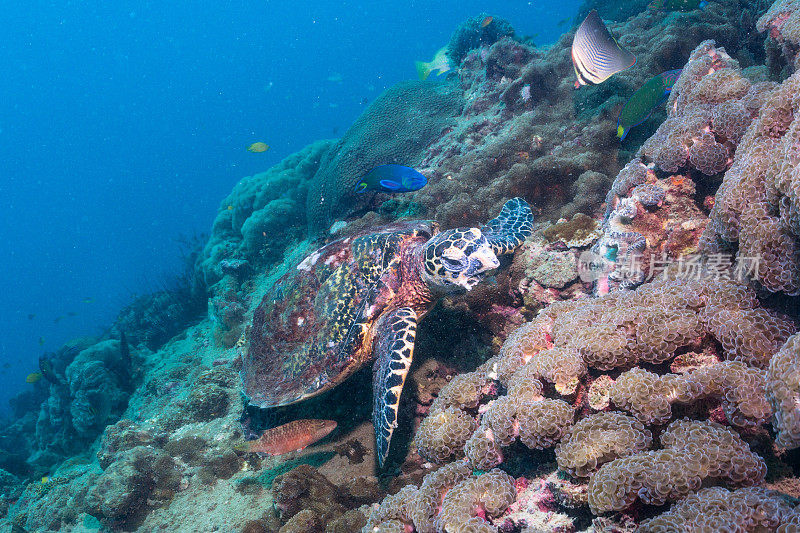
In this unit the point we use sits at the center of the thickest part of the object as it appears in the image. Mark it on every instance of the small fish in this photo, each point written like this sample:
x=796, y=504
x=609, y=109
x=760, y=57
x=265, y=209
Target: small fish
x=291, y=437
x=258, y=147
x=440, y=63
x=33, y=377
x=596, y=56
x=45, y=479
x=58, y=319
x=41, y=341
x=640, y=106
x=488, y=20
x=72, y=313
x=563, y=22
x=31, y=316
x=335, y=78
x=47, y=371
x=88, y=300
x=230, y=208
x=391, y=178
x=677, y=5
x=6, y=365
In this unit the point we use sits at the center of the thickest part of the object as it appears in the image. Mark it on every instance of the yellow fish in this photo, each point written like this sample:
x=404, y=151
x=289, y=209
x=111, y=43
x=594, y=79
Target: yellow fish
x=439, y=63
x=230, y=208
x=33, y=377
x=486, y=21
x=258, y=147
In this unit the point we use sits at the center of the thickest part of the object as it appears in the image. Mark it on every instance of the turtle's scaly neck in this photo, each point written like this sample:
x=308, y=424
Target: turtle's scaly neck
x=413, y=290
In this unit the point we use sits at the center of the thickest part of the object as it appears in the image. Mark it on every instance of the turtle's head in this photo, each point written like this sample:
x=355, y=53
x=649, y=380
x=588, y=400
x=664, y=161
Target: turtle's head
x=458, y=258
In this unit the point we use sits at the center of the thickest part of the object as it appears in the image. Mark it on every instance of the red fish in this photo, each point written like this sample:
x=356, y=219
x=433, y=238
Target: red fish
x=291, y=437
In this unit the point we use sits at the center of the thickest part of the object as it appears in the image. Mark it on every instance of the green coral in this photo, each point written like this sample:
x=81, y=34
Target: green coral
x=395, y=128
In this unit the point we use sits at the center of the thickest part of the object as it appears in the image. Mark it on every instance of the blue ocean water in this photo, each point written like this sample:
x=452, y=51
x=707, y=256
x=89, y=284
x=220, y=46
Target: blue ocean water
x=123, y=125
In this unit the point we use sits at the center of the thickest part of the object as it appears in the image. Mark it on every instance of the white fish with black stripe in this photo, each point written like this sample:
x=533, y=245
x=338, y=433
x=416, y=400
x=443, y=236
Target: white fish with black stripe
x=596, y=55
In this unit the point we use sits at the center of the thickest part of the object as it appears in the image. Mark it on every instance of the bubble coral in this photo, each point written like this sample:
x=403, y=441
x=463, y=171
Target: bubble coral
x=443, y=433
x=598, y=439
x=487, y=495
x=757, y=206
x=719, y=509
x=706, y=115
x=692, y=451
x=783, y=387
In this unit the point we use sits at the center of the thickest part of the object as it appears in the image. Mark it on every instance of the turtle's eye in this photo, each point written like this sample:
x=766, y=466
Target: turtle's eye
x=454, y=260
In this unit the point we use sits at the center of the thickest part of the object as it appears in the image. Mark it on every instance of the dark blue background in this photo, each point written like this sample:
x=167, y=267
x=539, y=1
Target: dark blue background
x=124, y=124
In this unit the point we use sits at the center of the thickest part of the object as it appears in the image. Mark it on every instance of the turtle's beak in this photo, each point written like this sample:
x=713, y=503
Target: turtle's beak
x=482, y=260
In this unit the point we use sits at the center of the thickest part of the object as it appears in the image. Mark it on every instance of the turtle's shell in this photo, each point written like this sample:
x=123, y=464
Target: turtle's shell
x=311, y=331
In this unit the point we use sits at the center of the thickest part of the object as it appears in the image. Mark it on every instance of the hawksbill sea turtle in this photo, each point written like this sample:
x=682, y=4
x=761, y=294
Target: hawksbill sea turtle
x=360, y=298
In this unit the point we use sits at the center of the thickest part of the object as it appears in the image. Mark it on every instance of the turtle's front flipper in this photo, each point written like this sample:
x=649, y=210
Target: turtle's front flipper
x=510, y=228
x=394, y=348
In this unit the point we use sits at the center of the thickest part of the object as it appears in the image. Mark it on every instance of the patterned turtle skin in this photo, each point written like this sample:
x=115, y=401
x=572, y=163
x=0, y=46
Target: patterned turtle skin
x=360, y=298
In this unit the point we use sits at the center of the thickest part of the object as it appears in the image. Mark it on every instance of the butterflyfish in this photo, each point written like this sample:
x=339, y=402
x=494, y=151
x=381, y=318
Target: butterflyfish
x=596, y=55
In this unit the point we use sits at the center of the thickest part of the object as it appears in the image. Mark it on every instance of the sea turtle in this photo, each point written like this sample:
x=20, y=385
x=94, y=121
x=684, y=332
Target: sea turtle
x=361, y=297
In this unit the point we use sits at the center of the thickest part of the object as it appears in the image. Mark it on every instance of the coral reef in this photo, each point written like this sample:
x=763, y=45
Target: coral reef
x=262, y=215
x=756, y=208
x=395, y=128
x=685, y=347
x=783, y=389
x=610, y=369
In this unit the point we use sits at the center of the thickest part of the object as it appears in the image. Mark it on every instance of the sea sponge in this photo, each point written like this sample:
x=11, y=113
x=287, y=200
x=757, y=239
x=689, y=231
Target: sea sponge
x=693, y=451
x=783, y=389
x=719, y=509
x=443, y=434
x=598, y=439
x=395, y=128
x=488, y=495
x=580, y=231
